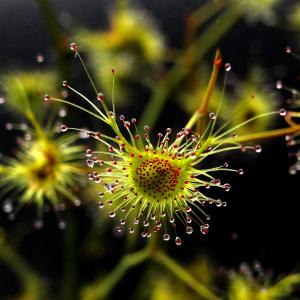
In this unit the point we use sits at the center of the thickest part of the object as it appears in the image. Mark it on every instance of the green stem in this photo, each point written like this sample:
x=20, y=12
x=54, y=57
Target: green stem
x=184, y=276
x=192, y=54
x=101, y=290
x=33, y=285
x=58, y=38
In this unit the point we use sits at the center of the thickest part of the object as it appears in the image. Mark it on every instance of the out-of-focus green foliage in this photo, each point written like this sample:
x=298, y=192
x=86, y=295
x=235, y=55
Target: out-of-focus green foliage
x=257, y=10
x=21, y=86
x=46, y=165
x=132, y=44
x=243, y=287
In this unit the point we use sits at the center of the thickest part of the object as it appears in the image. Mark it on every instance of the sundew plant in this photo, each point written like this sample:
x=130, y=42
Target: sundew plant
x=150, y=173
x=157, y=184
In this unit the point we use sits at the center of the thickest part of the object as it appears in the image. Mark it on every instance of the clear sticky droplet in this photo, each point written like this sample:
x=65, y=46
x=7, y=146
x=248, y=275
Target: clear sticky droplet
x=227, y=67
x=63, y=128
x=288, y=49
x=212, y=116
x=279, y=84
x=38, y=224
x=166, y=237
x=282, y=112
x=40, y=58
x=61, y=224
x=178, y=241
x=112, y=214
x=258, y=148
x=2, y=100
x=7, y=206
x=62, y=112
x=189, y=229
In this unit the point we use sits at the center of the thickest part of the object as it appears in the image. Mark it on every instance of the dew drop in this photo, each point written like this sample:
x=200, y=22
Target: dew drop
x=38, y=224
x=112, y=214
x=189, y=229
x=9, y=126
x=40, y=58
x=65, y=83
x=212, y=116
x=227, y=187
x=146, y=223
x=240, y=171
x=257, y=148
x=73, y=47
x=131, y=230
x=178, y=241
x=88, y=152
x=2, y=100
x=7, y=206
x=62, y=112
x=77, y=202
x=90, y=163
x=126, y=124
x=288, y=49
x=219, y=203
x=188, y=209
x=100, y=204
x=204, y=228
x=61, y=224
x=166, y=237
x=188, y=220
x=279, y=84
x=101, y=194
x=63, y=128
x=172, y=220
x=100, y=97
x=146, y=128
x=136, y=221
x=282, y=112
x=227, y=67
x=292, y=170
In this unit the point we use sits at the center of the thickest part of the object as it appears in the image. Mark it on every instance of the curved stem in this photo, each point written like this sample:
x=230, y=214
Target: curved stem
x=101, y=289
x=181, y=69
x=184, y=276
x=265, y=134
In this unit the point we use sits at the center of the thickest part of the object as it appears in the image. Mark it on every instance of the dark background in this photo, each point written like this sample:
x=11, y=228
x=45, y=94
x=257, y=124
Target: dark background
x=262, y=211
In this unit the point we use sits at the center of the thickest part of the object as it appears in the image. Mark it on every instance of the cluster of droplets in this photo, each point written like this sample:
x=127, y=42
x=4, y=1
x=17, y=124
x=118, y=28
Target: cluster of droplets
x=116, y=164
x=291, y=116
x=11, y=208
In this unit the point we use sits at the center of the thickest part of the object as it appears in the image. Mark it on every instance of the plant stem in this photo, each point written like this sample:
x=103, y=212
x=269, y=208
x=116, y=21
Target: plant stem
x=266, y=134
x=184, y=276
x=33, y=285
x=193, y=54
x=210, y=88
x=101, y=289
